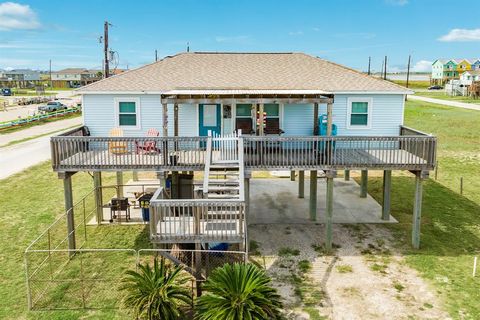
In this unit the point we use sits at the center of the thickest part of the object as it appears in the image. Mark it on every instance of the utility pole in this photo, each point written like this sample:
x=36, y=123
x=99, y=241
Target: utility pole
x=105, y=49
x=369, y=61
x=156, y=55
x=408, y=69
x=381, y=70
x=188, y=46
x=50, y=72
x=385, y=73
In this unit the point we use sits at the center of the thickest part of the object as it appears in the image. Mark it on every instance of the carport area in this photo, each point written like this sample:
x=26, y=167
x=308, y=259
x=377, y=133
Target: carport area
x=276, y=201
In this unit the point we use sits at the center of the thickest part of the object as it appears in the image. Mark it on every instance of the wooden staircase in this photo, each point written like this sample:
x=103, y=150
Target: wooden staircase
x=223, y=176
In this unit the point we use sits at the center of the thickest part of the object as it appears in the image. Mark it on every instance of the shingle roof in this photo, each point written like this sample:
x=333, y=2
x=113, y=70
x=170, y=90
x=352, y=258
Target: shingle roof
x=242, y=71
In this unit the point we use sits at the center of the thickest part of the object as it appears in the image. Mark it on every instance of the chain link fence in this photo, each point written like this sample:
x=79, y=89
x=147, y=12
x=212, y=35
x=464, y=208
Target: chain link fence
x=91, y=278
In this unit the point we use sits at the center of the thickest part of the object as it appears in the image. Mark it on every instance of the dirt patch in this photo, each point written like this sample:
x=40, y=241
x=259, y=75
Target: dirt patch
x=364, y=278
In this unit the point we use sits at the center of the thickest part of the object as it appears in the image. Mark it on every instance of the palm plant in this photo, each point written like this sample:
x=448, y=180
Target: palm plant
x=156, y=293
x=237, y=292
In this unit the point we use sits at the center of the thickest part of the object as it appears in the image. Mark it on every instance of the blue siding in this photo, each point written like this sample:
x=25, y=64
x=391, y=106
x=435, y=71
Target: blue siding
x=387, y=116
x=297, y=119
x=99, y=115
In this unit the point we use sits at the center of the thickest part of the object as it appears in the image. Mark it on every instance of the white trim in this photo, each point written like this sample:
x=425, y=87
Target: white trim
x=138, y=108
x=403, y=109
x=349, y=112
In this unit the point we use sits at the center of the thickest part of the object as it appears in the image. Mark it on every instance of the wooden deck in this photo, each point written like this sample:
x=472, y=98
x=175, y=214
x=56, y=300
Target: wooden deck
x=70, y=153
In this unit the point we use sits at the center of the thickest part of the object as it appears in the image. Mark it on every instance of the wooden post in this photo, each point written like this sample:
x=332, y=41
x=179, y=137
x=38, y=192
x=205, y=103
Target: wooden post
x=97, y=183
x=347, y=175
x=68, y=195
x=329, y=211
x=260, y=119
x=329, y=118
x=313, y=195
x=165, y=131
x=119, y=184
x=315, y=119
x=364, y=184
x=387, y=186
x=301, y=184
x=135, y=176
x=417, y=211
x=246, y=183
x=292, y=175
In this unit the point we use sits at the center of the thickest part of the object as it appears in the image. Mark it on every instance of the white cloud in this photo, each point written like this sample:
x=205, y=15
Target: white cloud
x=397, y=2
x=17, y=16
x=422, y=66
x=457, y=35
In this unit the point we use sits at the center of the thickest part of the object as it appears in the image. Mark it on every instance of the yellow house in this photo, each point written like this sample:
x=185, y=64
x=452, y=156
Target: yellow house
x=463, y=65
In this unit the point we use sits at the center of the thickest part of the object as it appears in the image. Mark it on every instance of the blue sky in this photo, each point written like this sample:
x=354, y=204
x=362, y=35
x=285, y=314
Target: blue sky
x=347, y=32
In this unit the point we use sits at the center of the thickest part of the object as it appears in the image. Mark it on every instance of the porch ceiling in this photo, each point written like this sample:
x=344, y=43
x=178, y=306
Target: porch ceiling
x=252, y=96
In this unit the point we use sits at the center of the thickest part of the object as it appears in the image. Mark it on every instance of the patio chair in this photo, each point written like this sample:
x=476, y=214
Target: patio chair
x=147, y=146
x=117, y=147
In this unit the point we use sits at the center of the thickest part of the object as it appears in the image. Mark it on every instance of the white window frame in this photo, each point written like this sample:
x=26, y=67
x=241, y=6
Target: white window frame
x=137, y=112
x=369, y=115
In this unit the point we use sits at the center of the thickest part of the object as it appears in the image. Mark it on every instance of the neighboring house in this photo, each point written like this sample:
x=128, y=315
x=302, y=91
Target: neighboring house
x=475, y=64
x=73, y=77
x=445, y=70
x=20, y=75
x=274, y=101
x=463, y=65
x=468, y=77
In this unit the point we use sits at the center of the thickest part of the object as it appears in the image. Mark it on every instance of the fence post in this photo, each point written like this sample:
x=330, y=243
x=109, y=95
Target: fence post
x=461, y=185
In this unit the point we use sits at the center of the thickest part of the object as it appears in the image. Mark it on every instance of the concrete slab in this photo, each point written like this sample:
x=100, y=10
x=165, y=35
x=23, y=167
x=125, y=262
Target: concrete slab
x=276, y=201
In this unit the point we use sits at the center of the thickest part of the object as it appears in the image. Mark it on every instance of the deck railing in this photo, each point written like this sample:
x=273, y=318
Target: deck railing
x=412, y=150
x=113, y=153
x=340, y=152
x=187, y=220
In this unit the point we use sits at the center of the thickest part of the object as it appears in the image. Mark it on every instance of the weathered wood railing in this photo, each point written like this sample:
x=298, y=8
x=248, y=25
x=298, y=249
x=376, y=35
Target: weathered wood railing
x=70, y=153
x=410, y=151
x=188, y=220
x=340, y=152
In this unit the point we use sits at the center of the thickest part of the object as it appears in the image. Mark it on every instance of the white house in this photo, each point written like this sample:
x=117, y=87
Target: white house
x=468, y=77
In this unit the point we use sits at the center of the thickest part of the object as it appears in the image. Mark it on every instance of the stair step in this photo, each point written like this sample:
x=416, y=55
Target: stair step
x=222, y=188
x=222, y=196
x=224, y=166
x=224, y=181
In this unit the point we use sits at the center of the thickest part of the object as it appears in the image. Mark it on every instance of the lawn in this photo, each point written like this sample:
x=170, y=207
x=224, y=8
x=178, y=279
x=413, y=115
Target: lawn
x=413, y=84
x=31, y=201
x=450, y=221
x=442, y=95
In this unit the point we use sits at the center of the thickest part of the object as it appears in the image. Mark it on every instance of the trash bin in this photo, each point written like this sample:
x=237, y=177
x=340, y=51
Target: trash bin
x=144, y=202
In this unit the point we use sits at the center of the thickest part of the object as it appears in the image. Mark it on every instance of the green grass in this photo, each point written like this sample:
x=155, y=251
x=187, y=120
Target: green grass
x=288, y=252
x=344, y=268
x=413, y=84
x=39, y=123
x=443, y=96
x=450, y=222
x=31, y=200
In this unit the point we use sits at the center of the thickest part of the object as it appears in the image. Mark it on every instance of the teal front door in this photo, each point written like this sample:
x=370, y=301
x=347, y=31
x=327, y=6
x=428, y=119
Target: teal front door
x=209, y=119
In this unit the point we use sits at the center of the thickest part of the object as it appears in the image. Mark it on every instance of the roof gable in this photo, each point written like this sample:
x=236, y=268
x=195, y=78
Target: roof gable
x=242, y=71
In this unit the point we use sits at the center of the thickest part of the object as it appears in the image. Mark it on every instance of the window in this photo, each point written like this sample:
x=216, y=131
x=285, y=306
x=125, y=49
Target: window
x=128, y=113
x=243, y=118
x=272, y=121
x=359, y=113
